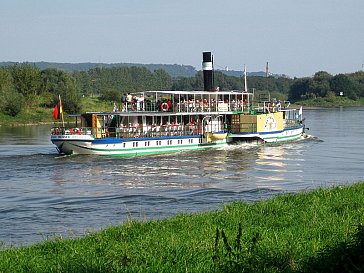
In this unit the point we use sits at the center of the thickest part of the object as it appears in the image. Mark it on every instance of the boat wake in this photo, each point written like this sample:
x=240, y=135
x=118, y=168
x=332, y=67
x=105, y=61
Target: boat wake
x=62, y=156
x=311, y=138
x=240, y=146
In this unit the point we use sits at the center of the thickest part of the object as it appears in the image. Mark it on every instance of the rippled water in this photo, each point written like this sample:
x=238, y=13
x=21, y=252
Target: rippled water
x=43, y=194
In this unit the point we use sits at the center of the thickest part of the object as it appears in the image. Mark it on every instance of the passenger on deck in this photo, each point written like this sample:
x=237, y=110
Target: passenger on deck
x=115, y=108
x=129, y=100
x=123, y=102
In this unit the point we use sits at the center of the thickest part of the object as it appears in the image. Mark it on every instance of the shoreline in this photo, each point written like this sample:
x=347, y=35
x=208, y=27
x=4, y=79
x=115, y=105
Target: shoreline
x=286, y=233
x=27, y=124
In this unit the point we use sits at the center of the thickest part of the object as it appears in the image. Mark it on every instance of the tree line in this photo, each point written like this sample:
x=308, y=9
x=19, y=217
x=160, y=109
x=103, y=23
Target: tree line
x=25, y=86
x=323, y=84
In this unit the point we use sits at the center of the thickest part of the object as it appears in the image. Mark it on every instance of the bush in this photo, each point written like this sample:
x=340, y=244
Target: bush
x=111, y=95
x=14, y=103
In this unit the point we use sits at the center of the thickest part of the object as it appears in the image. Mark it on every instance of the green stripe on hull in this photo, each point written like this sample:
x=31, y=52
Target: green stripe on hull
x=284, y=138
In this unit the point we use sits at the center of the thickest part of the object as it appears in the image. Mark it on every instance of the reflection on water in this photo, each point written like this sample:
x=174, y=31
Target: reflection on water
x=42, y=193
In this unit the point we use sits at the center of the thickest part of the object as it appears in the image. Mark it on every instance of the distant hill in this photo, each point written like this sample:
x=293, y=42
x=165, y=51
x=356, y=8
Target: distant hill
x=175, y=70
x=236, y=73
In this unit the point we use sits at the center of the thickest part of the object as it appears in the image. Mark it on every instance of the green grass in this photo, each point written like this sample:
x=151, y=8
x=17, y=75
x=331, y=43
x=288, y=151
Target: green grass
x=33, y=116
x=95, y=105
x=289, y=233
x=38, y=115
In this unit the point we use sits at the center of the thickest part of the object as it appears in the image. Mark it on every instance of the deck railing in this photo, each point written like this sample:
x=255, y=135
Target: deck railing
x=131, y=131
x=187, y=107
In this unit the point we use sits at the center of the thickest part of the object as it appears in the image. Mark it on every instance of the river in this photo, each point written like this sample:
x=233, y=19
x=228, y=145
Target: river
x=43, y=195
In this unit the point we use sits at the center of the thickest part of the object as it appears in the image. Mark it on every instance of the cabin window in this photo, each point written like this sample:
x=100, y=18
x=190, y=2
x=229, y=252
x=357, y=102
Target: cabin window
x=124, y=145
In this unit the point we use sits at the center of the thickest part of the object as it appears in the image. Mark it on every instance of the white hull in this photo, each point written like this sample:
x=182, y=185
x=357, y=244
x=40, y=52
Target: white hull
x=270, y=137
x=131, y=147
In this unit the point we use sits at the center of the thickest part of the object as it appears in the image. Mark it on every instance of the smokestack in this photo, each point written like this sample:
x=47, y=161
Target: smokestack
x=207, y=67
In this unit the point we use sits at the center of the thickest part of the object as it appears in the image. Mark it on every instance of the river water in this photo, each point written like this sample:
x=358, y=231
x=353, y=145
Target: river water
x=43, y=195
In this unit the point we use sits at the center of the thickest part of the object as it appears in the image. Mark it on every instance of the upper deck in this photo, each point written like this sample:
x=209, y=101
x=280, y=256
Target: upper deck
x=180, y=102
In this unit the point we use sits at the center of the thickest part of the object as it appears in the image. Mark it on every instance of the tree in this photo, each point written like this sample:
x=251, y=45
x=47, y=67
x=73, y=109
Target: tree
x=58, y=82
x=321, y=83
x=301, y=89
x=26, y=79
x=111, y=95
x=13, y=103
x=71, y=97
x=84, y=82
x=358, y=81
x=162, y=80
x=343, y=85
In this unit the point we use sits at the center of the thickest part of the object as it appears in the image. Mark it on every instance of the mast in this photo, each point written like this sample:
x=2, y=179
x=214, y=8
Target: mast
x=245, y=81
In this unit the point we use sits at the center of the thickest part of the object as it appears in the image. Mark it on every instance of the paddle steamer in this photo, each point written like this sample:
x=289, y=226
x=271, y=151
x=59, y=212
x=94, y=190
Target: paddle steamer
x=155, y=122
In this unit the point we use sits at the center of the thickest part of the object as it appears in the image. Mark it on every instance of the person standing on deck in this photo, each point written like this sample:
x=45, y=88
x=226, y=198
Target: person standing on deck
x=129, y=100
x=123, y=102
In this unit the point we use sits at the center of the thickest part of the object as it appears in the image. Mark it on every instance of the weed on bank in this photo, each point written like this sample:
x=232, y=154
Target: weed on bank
x=318, y=231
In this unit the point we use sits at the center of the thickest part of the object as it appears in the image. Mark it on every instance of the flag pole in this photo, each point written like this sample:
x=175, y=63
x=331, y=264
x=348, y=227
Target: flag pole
x=61, y=109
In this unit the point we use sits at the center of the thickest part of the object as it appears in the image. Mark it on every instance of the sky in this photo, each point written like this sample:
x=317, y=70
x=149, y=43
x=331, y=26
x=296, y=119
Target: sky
x=297, y=37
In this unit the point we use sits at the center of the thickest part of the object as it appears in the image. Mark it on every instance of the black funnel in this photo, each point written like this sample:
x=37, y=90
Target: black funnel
x=207, y=68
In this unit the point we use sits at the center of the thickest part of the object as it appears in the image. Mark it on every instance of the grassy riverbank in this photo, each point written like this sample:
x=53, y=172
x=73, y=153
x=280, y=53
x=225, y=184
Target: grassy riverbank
x=289, y=233
x=41, y=115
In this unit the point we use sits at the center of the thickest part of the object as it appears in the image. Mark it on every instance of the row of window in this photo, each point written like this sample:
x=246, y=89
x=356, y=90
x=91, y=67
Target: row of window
x=159, y=142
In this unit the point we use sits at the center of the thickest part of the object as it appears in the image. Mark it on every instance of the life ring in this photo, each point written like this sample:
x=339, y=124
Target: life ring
x=164, y=106
x=74, y=131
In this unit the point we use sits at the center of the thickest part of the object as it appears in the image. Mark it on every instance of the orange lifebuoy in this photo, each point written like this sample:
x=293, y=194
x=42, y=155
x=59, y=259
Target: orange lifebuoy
x=164, y=106
x=75, y=131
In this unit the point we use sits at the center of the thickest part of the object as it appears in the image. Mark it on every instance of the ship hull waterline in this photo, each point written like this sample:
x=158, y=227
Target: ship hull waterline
x=133, y=148
x=289, y=134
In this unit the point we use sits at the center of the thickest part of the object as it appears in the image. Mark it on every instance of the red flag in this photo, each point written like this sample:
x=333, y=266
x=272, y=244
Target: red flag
x=56, y=114
x=57, y=111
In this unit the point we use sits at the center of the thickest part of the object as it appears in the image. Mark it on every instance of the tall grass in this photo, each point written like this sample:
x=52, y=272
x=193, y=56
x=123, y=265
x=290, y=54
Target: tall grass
x=289, y=233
